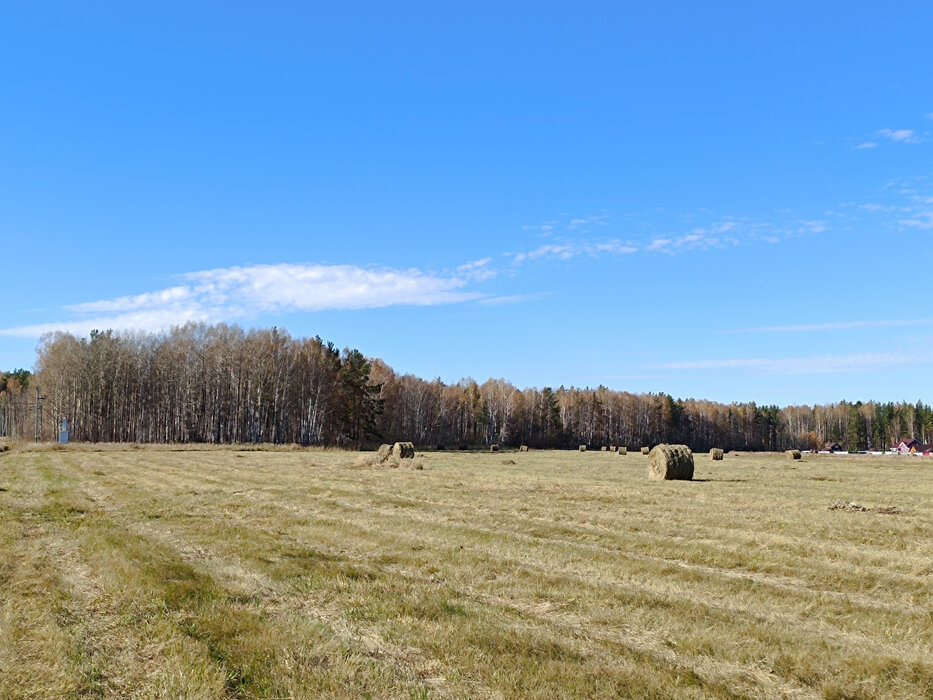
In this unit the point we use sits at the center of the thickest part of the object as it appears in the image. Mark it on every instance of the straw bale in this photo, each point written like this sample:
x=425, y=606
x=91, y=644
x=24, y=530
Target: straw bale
x=403, y=450
x=670, y=462
x=716, y=454
x=792, y=454
x=582, y=448
x=645, y=450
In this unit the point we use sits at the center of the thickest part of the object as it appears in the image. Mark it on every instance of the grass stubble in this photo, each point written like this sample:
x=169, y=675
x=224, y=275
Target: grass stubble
x=224, y=573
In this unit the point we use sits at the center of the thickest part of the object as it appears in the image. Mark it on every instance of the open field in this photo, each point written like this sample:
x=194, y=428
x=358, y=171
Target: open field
x=220, y=573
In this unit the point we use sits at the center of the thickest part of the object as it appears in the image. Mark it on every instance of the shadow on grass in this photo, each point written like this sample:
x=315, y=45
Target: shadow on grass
x=721, y=480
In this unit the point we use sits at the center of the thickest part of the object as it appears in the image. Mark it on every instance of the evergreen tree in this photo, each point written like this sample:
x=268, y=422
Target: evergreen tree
x=359, y=405
x=857, y=432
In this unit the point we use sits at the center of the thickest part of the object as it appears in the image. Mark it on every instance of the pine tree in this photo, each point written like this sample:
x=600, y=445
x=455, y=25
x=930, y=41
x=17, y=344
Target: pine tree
x=359, y=405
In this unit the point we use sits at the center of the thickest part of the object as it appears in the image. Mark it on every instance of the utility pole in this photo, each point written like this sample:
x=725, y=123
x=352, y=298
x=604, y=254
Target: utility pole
x=38, y=399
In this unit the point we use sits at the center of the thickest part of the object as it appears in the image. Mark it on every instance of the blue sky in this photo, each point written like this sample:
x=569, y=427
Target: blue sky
x=730, y=201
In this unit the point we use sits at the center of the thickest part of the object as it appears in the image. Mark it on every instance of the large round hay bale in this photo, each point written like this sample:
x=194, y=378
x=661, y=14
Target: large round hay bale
x=383, y=453
x=603, y=449
x=582, y=448
x=523, y=448
x=670, y=462
x=623, y=450
x=403, y=450
x=645, y=450
x=493, y=448
x=715, y=454
x=792, y=454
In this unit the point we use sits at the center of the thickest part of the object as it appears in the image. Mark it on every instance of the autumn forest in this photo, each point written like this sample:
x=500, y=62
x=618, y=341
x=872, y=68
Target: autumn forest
x=221, y=384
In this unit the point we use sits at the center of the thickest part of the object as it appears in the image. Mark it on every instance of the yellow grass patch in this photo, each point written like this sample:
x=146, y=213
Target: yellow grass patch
x=294, y=573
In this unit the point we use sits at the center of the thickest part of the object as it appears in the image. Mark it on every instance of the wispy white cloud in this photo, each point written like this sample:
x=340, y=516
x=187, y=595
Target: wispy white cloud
x=922, y=220
x=243, y=292
x=564, y=251
x=867, y=144
x=900, y=135
x=165, y=298
x=513, y=299
x=822, y=364
x=719, y=233
x=478, y=270
x=837, y=326
x=545, y=228
x=600, y=220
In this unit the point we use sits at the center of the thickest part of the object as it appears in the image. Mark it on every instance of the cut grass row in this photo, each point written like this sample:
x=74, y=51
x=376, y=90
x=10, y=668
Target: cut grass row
x=220, y=573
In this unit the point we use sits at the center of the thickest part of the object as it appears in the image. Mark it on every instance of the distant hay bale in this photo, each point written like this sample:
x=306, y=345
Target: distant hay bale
x=623, y=450
x=670, y=462
x=613, y=448
x=523, y=448
x=493, y=448
x=603, y=449
x=792, y=454
x=582, y=448
x=716, y=454
x=645, y=450
x=403, y=450
x=383, y=453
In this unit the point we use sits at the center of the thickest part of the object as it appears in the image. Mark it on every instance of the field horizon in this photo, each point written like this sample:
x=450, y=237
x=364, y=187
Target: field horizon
x=286, y=572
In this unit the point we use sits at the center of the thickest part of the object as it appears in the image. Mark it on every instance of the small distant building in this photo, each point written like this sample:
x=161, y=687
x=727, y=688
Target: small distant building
x=832, y=447
x=907, y=446
x=63, y=434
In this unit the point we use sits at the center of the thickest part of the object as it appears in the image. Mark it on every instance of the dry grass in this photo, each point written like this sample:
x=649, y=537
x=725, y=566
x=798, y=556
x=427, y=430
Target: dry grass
x=293, y=574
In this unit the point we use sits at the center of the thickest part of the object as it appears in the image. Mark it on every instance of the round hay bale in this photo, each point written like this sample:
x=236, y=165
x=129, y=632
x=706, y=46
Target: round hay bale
x=623, y=450
x=670, y=462
x=716, y=454
x=645, y=450
x=582, y=448
x=793, y=454
x=383, y=453
x=613, y=448
x=523, y=448
x=493, y=448
x=603, y=449
x=403, y=450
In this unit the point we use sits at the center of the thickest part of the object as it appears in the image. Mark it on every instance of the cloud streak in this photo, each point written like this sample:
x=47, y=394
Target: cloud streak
x=822, y=364
x=722, y=233
x=837, y=326
x=244, y=292
x=900, y=135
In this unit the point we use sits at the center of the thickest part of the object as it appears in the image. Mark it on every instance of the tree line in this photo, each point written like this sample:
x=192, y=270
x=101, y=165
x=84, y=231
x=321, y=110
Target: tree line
x=221, y=384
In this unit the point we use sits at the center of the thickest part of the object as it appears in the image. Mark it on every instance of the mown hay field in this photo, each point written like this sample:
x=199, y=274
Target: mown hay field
x=224, y=573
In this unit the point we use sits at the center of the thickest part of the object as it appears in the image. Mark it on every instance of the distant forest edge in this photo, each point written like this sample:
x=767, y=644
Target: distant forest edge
x=221, y=384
